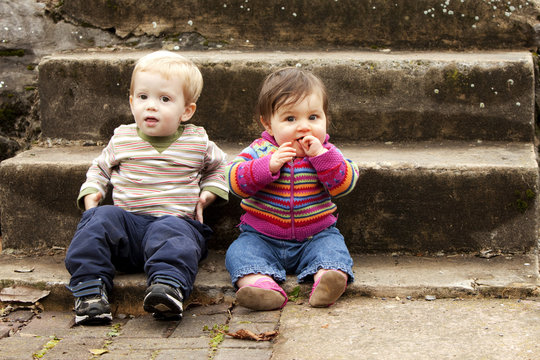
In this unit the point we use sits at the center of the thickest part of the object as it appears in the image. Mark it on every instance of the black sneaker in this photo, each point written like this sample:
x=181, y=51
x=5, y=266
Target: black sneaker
x=93, y=309
x=163, y=301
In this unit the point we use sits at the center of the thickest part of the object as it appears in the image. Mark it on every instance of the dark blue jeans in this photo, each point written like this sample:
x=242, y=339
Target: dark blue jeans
x=109, y=238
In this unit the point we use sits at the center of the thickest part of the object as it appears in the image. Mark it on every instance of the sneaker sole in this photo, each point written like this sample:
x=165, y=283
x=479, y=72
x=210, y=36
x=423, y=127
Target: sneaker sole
x=97, y=319
x=162, y=305
x=259, y=299
x=331, y=286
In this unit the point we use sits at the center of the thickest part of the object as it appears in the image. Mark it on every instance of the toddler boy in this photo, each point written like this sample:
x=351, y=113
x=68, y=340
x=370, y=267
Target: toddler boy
x=164, y=173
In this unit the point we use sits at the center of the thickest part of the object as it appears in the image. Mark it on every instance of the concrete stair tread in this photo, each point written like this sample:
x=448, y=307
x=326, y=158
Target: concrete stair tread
x=437, y=155
x=374, y=96
x=391, y=58
x=383, y=275
x=406, y=156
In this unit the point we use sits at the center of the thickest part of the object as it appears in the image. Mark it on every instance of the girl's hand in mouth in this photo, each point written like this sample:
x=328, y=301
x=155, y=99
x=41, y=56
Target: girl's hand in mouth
x=311, y=145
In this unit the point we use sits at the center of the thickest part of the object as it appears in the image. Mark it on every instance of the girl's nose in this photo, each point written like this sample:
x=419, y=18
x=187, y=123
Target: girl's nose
x=303, y=125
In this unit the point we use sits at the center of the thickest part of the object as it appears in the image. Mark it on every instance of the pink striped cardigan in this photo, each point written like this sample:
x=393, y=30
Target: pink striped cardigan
x=296, y=202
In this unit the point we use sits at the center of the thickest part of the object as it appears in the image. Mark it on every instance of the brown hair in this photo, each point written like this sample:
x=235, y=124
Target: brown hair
x=288, y=86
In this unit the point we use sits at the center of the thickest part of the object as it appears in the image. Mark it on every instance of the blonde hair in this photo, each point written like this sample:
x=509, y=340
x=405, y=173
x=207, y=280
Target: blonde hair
x=169, y=64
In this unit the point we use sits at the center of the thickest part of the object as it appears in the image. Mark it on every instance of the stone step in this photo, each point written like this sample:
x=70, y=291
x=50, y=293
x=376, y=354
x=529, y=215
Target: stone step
x=317, y=24
x=386, y=276
x=424, y=197
x=396, y=96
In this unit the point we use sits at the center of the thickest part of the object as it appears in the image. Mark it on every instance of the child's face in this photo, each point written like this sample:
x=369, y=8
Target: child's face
x=291, y=122
x=158, y=104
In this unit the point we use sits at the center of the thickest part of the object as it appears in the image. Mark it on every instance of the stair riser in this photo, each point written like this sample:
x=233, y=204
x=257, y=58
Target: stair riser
x=451, y=211
x=373, y=97
x=39, y=205
x=391, y=209
x=294, y=24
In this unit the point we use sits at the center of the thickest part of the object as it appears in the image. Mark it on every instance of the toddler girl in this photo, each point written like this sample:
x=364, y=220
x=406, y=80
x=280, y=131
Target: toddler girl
x=286, y=179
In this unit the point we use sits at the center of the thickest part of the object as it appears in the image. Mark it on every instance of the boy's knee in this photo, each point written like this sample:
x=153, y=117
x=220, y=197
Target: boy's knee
x=109, y=210
x=167, y=227
x=109, y=214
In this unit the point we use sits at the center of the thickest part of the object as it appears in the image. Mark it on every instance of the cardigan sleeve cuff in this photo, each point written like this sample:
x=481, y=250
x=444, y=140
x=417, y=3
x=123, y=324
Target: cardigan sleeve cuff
x=328, y=160
x=261, y=171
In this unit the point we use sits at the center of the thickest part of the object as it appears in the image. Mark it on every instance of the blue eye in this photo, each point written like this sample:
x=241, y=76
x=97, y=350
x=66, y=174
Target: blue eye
x=290, y=118
x=313, y=117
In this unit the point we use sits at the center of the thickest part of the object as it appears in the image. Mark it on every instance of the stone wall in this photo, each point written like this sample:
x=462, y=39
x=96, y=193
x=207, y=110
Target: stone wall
x=27, y=33
x=32, y=29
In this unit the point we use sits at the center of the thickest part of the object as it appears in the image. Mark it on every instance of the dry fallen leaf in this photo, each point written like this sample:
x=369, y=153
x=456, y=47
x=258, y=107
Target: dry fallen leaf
x=98, y=351
x=28, y=335
x=22, y=294
x=249, y=335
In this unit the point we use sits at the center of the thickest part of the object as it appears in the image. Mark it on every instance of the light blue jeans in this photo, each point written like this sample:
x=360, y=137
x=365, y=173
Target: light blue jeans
x=256, y=253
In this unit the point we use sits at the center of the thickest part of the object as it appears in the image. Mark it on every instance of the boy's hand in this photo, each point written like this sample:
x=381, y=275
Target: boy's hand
x=283, y=155
x=92, y=200
x=205, y=199
x=312, y=146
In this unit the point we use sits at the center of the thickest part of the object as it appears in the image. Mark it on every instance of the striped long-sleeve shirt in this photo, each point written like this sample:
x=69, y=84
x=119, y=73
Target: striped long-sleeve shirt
x=157, y=176
x=296, y=202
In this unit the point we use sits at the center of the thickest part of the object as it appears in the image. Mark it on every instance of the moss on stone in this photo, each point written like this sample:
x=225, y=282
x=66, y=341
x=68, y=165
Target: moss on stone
x=8, y=116
x=12, y=52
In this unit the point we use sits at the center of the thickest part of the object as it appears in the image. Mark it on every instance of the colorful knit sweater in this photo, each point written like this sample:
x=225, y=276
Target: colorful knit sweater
x=158, y=175
x=295, y=203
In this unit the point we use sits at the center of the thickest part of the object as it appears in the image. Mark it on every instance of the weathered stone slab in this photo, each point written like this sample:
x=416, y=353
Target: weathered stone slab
x=294, y=24
x=425, y=197
x=367, y=328
x=373, y=96
x=380, y=275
